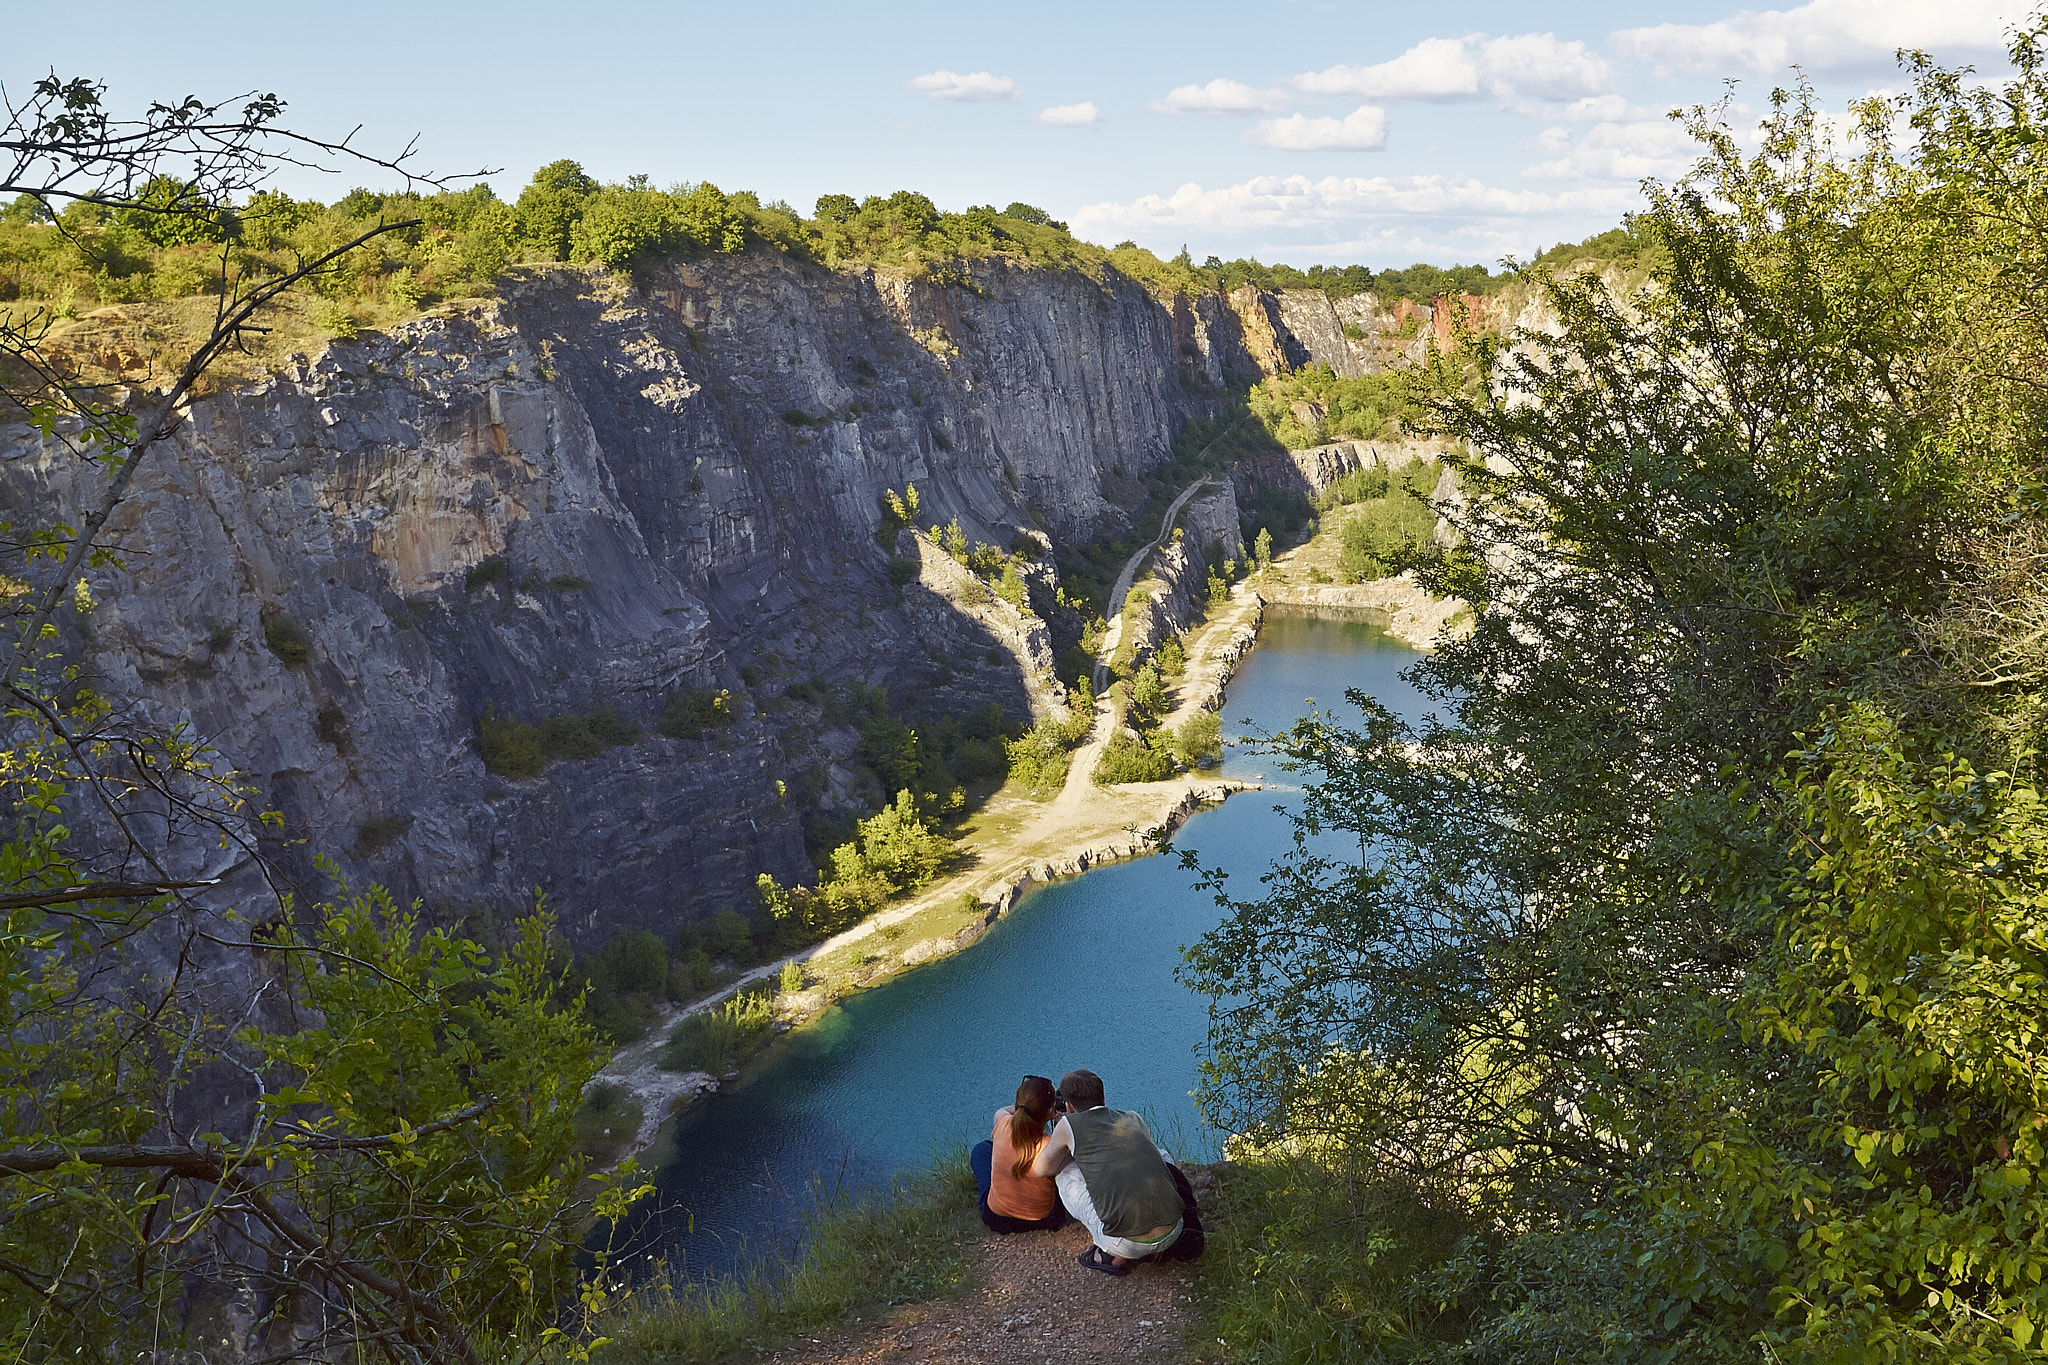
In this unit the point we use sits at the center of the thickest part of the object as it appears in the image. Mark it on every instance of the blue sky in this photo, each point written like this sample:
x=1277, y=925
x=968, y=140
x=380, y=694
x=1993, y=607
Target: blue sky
x=1297, y=130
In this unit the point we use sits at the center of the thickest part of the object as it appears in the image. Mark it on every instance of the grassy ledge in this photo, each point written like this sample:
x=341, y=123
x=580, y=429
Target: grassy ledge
x=909, y=1242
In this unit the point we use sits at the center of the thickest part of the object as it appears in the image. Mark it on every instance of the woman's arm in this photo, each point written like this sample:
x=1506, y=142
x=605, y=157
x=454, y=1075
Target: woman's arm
x=1057, y=1152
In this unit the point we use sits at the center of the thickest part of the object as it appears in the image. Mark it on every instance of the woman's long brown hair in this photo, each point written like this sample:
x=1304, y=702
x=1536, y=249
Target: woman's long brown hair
x=1028, y=1120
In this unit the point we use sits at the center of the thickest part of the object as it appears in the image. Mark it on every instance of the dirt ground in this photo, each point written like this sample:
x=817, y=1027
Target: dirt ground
x=1035, y=1304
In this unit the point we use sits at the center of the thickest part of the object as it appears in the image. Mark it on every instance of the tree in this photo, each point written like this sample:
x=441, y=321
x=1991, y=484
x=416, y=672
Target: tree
x=552, y=203
x=354, y=1119
x=1677, y=952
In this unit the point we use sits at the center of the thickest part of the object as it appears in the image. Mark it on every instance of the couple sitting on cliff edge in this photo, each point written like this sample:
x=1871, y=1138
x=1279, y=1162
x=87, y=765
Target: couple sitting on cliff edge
x=1060, y=1154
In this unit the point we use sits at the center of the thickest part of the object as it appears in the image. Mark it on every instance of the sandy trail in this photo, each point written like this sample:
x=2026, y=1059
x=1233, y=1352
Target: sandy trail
x=1122, y=589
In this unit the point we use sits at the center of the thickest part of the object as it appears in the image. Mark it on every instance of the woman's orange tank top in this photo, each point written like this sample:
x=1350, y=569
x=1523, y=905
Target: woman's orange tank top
x=1029, y=1198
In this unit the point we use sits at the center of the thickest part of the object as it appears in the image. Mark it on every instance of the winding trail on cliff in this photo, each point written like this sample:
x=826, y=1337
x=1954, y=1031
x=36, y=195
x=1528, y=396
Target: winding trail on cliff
x=1117, y=594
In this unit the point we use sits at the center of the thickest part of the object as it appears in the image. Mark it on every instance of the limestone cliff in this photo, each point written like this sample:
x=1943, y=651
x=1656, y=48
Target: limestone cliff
x=595, y=491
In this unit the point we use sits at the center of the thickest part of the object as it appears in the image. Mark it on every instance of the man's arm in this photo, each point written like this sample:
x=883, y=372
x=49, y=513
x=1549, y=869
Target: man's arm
x=1057, y=1152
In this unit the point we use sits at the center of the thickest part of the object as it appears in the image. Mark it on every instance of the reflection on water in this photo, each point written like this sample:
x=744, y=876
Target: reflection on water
x=1079, y=974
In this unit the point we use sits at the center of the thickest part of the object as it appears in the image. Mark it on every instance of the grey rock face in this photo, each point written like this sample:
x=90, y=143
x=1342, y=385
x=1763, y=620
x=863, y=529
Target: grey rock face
x=595, y=491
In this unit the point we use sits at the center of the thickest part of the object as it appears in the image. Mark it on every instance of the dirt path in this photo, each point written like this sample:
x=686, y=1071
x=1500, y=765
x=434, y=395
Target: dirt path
x=1034, y=1305
x=1115, y=612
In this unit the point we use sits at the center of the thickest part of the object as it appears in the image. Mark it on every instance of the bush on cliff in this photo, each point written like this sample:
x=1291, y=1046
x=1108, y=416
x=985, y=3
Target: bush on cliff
x=690, y=712
x=513, y=748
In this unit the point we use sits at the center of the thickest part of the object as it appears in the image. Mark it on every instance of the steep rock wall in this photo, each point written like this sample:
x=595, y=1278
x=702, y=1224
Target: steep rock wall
x=594, y=491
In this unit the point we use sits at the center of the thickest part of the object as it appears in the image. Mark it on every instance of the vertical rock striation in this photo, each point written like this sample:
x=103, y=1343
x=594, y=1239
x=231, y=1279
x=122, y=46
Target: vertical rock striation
x=595, y=492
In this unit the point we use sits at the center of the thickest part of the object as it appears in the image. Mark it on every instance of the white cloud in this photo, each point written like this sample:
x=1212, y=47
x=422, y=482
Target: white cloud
x=1364, y=129
x=979, y=87
x=1082, y=115
x=1616, y=151
x=1434, y=69
x=1537, y=66
x=1301, y=208
x=1534, y=66
x=1826, y=35
x=1220, y=97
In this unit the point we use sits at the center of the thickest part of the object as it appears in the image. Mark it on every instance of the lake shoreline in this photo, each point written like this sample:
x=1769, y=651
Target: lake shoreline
x=1090, y=827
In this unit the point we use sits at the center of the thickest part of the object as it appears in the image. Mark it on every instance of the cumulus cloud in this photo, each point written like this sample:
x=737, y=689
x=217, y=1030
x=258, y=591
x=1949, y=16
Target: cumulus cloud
x=1434, y=69
x=1825, y=35
x=1347, y=206
x=1616, y=151
x=1532, y=66
x=1364, y=129
x=1082, y=115
x=979, y=87
x=1220, y=97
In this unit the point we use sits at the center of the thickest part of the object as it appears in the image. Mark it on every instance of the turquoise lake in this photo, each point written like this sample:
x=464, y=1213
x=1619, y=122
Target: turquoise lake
x=1079, y=974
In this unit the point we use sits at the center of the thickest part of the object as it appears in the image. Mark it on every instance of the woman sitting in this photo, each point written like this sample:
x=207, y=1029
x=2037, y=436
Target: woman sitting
x=1013, y=1199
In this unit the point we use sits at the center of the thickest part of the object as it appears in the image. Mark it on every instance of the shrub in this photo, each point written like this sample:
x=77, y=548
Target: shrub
x=1148, y=693
x=1314, y=1258
x=509, y=748
x=796, y=417
x=1172, y=658
x=1038, y=759
x=902, y=569
x=1129, y=758
x=1199, y=742
x=485, y=571
x=330, y=723
x=287, y=639
x=568, y=582
x=718, y=1039
x=691, y=712
x=1378, y=531
x=379, y=833
x=512, y=748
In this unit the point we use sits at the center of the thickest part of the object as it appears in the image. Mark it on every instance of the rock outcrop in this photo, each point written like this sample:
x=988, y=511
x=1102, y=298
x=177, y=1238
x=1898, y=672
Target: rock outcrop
x=596, y=491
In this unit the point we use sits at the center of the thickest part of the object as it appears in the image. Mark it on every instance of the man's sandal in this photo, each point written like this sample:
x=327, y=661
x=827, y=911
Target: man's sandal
x=1095, y=1258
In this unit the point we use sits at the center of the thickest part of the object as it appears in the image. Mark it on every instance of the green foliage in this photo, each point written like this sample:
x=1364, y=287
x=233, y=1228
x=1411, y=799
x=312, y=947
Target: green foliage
x=550, y=205
x=891, y=853
x=1262, y=549
x=1038, y=758
x=910, y=1242
x=1133, y=758
x=692, y=711
x=1172, y=658
x=414, y=1124
x=1148, y=693
x=1198, y=743
x=491, y=569
x=718, y=1039
x=513, y=748
x=1379, y=536
x=1698, y=954
x=1370, y=407
x=1313, y=1255
x=287, y=639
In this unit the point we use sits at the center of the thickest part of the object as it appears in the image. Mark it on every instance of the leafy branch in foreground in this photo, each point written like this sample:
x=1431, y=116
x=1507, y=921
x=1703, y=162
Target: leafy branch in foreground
x=1693, y=956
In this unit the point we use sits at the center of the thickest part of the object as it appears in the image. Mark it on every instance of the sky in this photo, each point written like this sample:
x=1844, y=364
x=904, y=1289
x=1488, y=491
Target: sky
x=1303, y=131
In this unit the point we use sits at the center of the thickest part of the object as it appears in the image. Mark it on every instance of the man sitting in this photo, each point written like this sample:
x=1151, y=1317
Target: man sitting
x=1111, y=1176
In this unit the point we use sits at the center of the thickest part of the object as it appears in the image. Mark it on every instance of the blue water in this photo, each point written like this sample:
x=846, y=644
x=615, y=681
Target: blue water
x=1079, y=974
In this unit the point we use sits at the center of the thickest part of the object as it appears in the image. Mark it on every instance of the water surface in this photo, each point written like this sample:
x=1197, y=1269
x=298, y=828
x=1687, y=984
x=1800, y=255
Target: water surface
x=1079, y=974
